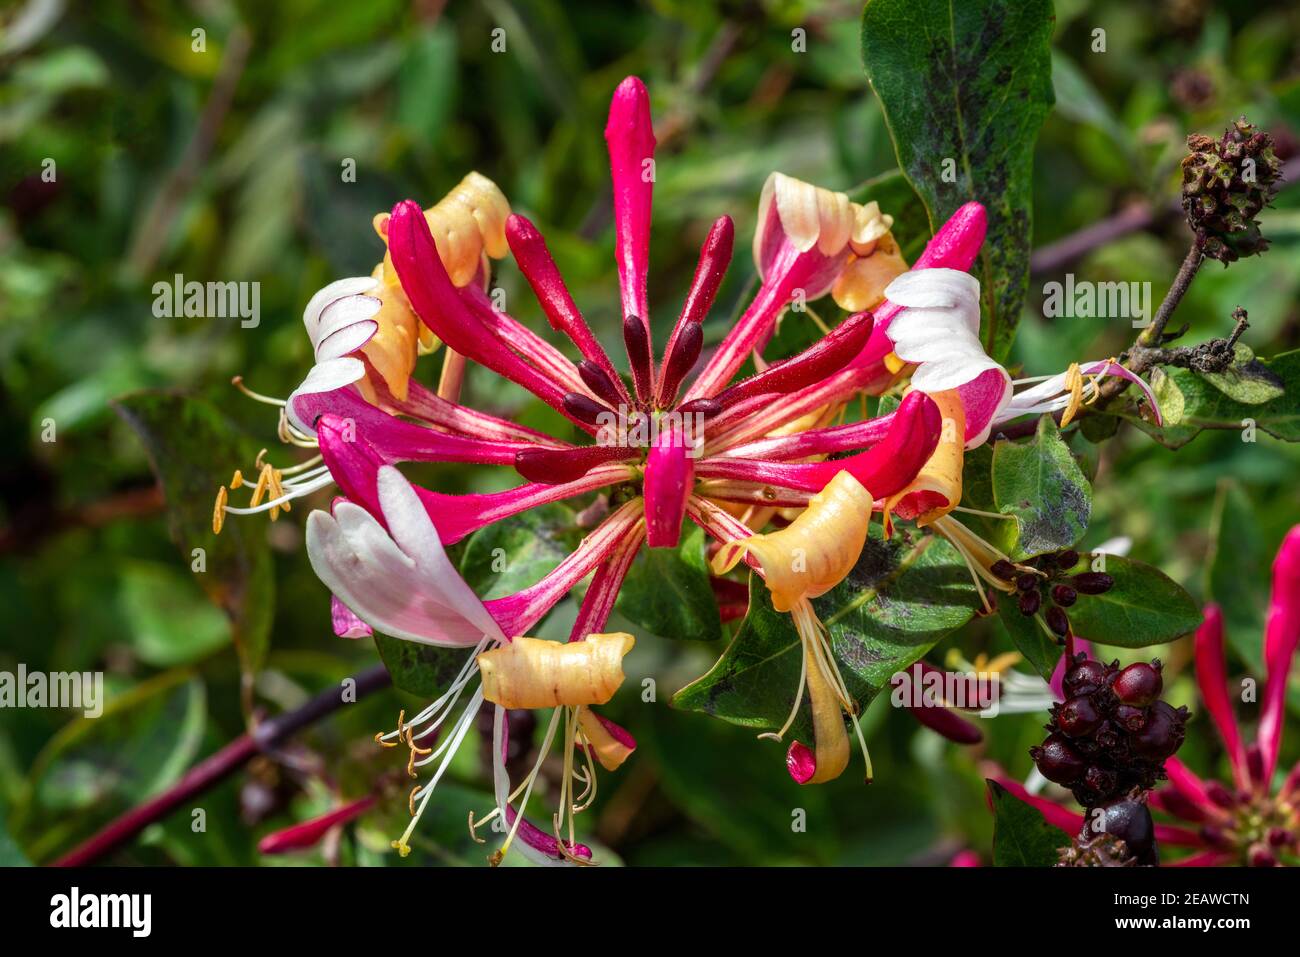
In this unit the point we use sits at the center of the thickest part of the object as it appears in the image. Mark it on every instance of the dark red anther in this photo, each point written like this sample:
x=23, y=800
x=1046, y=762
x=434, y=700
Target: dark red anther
x=1064, y=595
x=683, y=351
x=637, y=340
x=705, y=407
x=1057, y=621
x=584, y=408
x=1003, y=569
x=715, y=256
x=595, y=379
x=1093, y=583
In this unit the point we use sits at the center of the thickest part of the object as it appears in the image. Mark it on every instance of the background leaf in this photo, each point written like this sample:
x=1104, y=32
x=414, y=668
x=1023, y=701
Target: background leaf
x=667, y=591
x=1021, y=835
x=970, y=82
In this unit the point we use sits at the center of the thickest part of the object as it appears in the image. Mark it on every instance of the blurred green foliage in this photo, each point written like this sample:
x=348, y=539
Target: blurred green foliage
x=227, y=164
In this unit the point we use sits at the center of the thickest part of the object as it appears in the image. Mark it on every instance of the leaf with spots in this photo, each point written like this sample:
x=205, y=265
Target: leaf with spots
x=902, y=596
x=667, y=592
x=1041, y=484
x=965, y=87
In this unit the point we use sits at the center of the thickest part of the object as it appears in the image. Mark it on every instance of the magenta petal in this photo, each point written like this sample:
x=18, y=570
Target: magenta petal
x=309, y=833
x=955, y=246
x=631, y=139
x=548, y=286
x=884, y=469
x=347, y=624
x=715, y=256
x=616, y=731
x=1281, y=636
x=554, y=466
x=438, y=304
x=965, y=858
x=1191, y=787
x=539, y=840
x=669, y=477
x=519, y=612
x=828, y=355
x=838, y=438
x=1056, y=815
x=1212, y=677
x=599, y=601
x=425, y=404
x=801, y=762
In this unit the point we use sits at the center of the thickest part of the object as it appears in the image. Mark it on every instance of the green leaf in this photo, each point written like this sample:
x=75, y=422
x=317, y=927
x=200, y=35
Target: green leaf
x=1039, y=648
x=965, y=87
x=422, y=670
x=1190, y=402
x=95, y=768
x=1041, y=484
x=519, y=551
x=1237, y=569
x=900, y=599
x=1145, y=607
x=667, y=592
x=193, y=449
x=1247, y=380
x=1021, y=835
x=170, y=622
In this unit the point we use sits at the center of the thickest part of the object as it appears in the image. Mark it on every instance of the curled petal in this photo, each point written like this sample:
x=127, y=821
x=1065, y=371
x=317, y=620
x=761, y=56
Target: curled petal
x=1281, y=637
x=938, y=329
x=936, y=490
x=609, y=742
x=398, y=581
x=1212, y=676
x=534, y=673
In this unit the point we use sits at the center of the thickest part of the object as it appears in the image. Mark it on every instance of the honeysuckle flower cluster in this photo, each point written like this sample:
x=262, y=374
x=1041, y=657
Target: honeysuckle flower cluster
x=1254, y=820
x=726, y=455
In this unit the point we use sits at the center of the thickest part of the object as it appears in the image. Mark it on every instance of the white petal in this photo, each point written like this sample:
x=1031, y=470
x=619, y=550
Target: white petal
x=335, y=290
x=933, y=288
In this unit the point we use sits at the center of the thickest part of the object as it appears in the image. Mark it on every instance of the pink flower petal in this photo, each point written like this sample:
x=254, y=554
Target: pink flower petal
x=346, y=623
x=631, y=139
x=1212, y=677
x=309, y=833
x=669, y=478
x=1281, y=636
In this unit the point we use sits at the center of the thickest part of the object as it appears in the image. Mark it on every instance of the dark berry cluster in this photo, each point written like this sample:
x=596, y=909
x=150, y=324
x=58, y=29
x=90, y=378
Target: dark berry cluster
x=1046, y=580
x=1112, y=734
x=1226, y=182
x=1119, y=833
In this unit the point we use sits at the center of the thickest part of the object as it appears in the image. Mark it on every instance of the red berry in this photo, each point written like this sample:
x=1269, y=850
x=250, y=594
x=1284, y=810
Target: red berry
x=1077, y=716
x=1162, y=735
x=1132, y=718
x=1067, y=559
x=1057, y=761
x=1085, y=677
x=1003, y=569
x=1130, y=821
x=1027, y=582
x=1029, y=602
x=1057, y=621
x=1138, y=684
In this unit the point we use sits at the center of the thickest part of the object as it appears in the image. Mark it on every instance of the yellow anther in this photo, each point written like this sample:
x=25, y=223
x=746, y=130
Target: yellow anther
x=410, y=801
x=257, y=463
x=219, y=511
x=401, y=847
x=236, y=480
x=1074, y=382
x=379, y=740
x=472, y=832
x=263, y=482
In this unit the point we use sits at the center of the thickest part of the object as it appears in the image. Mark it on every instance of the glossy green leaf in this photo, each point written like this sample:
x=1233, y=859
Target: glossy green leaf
x=965, y=87
x=1029, y=637
x=667, y=591
x=1041, y=484
x=1145, y=607
x=419, y=669
x=900, y=599
x=509, y=555
x=1247, y=380
x=1190, y=403
x=193, y=449
x=1021, y=835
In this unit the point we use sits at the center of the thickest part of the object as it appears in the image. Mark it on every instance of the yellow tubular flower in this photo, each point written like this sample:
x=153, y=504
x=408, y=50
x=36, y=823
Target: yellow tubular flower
x=800, y=562
x=468, y=226
x=936, y=490
x=861, y=284
x=535, y=673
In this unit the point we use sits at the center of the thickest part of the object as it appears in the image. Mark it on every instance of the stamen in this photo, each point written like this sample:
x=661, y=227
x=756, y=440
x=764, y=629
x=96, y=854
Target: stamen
x=238, y=383
x=637, y=340
x=1074, y=382
x=528, y=790
x=236, y=480
x=219, y=510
